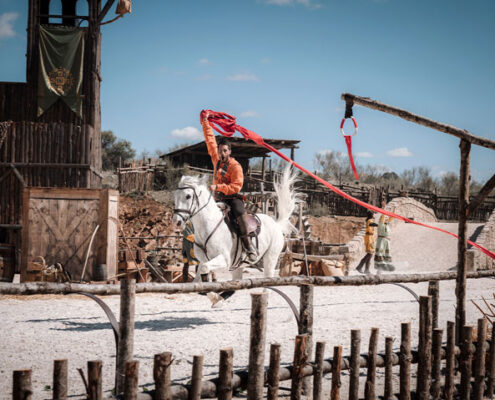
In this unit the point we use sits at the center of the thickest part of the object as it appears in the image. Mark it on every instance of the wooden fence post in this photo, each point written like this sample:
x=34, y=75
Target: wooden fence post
x=306, y=326
x=434, y=292
x=318, y=371
x=449, y=362
x=405, y=362
x=131, y=380
x=273, y=372
x=354, y=366
x=479, y=361
x=300, y=360
x=424, y=349
x=388, y=393
x=95, y=383
x=336, y=368
x=465, y=362
x=436, y=376
x=161, y=375
x=257, y=338
x=224, y=388
x=22, y=389
x=60, y=369
x=126, y=331
x=197, y=376
x=491, y=371
x=369, y=388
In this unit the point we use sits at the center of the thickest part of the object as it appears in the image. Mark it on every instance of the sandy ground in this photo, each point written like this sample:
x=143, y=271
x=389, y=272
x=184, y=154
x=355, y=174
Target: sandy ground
x=39, y=329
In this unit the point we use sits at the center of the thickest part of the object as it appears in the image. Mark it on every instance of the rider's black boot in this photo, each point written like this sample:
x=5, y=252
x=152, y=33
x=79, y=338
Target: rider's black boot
x=245, y=239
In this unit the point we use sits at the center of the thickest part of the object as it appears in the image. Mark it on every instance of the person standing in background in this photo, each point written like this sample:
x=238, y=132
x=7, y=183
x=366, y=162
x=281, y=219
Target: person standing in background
x=369, y=243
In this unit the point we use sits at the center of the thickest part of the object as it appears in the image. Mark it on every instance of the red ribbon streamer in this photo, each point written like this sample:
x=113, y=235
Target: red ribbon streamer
x=225, y=124
x=348, y=142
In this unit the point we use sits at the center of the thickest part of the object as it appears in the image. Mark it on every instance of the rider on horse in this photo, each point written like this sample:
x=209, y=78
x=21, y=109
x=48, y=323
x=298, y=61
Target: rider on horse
x=228, y=179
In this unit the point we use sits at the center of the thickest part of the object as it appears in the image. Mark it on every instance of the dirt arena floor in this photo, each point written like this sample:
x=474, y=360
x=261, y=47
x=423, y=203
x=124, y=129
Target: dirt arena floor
x=39, y=329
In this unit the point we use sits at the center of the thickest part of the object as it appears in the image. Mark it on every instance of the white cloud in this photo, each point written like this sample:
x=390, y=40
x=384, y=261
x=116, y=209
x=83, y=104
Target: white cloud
x=364, y=154
x=244, y=76
x=204, y=61
x=400, y=152
x=249, y=114
x=6, y=24
x=306, y=3
x=189, y=132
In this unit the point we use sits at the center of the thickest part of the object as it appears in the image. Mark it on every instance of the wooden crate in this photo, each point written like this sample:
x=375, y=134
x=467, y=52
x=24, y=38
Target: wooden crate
x=58, y=224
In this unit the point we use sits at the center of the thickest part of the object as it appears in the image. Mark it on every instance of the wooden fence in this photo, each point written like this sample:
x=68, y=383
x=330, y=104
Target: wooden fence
x=437, y=375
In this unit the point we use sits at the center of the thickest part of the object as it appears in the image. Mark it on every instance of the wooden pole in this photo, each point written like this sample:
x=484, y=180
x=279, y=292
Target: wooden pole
x=491, y=371
x=449, y=362
x=434, y=292
x=197, y=376
x=126, y=331
x=465, y=362
x=318, y=373
x=479, y=361
x=22, y=389
x=369, y=388
x=460, y=313
x=405, y=362
x=306, y=326
x=451, y=130
x=161, y=375
x=60, y=370
x=388, y=393
x=257, y=346
x=436, y=376
x=298, y=366
x=336, y=365
x=424, y=349
x=273, y=372
x=95, y=383
x=131, y=380
x=354, y=365
x=225, y=387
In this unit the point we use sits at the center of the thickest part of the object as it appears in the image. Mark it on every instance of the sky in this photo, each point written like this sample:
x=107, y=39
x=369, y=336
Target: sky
x=280, y=67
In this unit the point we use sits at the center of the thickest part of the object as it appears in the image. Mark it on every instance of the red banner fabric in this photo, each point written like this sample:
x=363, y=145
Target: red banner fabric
x=348, y=142
x=225, y=124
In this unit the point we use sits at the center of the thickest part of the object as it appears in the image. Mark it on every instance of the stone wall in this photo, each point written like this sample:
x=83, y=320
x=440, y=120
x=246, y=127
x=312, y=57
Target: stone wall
x=404, y=206
x=476, y=260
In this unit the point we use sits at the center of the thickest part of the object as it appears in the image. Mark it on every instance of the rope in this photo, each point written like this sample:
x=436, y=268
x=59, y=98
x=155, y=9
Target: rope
x=225, y=124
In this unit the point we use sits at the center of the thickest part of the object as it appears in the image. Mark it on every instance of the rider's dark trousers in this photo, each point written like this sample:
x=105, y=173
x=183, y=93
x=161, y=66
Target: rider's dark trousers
x=236, y=205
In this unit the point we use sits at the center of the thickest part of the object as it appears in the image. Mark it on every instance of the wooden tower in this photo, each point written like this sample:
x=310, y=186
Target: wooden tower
x=59, y=147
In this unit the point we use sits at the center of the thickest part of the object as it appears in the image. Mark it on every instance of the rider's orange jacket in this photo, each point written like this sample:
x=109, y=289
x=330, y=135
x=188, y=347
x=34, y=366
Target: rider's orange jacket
x=228, y=180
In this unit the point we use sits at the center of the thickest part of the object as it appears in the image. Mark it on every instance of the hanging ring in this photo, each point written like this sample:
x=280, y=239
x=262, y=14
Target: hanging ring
x=342, y=127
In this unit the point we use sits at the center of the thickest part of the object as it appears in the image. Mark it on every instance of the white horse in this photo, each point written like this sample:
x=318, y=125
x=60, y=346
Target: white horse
x=215, y=245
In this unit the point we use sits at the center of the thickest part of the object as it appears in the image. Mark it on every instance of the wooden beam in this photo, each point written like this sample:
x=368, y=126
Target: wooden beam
x=105, y=10
x=195, y=287
x=451, y=130
x=482, y=195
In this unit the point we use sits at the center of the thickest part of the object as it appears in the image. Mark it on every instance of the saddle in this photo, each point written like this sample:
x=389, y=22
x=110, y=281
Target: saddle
x=254, y=223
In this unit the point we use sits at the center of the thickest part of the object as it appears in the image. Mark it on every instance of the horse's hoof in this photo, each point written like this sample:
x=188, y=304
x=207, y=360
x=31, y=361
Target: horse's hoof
x=218, y=304
x=214, y=298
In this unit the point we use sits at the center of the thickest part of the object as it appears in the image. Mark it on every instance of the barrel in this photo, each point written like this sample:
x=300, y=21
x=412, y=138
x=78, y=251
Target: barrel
x=7, y=262
x=100, y=272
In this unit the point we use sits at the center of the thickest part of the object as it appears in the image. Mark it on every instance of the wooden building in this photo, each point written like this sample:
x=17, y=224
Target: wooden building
x=196, y=155
x=56, y=147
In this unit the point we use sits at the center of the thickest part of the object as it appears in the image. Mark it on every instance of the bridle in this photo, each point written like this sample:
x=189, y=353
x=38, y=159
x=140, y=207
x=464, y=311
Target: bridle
x=190, y=212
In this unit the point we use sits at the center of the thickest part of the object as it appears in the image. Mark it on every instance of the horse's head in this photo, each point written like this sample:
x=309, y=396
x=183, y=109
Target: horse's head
x=187, y=197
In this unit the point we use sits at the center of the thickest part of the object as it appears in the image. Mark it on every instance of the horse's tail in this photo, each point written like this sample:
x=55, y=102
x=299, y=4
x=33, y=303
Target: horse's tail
x=287, y=198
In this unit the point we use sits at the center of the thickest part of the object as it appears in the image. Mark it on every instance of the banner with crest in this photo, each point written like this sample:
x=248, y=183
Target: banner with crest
x=61, y=67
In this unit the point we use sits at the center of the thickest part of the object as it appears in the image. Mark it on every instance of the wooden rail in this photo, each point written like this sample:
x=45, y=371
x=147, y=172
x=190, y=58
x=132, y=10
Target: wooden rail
x=195, y=287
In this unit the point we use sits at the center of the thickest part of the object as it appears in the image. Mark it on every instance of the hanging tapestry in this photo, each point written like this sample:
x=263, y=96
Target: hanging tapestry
x=61, y=67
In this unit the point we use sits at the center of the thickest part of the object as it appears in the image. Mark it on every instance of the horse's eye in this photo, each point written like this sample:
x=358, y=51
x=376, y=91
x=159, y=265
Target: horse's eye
x=188, y=196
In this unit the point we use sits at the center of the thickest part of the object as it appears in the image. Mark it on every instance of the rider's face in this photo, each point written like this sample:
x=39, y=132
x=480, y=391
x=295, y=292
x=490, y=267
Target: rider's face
x=224, y=152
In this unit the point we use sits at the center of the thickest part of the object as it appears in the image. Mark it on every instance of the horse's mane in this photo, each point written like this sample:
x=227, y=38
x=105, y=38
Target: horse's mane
x=191, y=180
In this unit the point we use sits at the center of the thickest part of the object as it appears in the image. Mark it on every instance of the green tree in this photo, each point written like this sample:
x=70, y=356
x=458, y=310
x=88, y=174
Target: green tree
x=115, y=150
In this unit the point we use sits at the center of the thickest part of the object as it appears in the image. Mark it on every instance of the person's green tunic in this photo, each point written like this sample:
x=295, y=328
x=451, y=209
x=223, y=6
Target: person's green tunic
x=188, y=245
x=383, y=257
